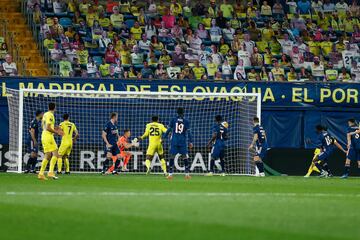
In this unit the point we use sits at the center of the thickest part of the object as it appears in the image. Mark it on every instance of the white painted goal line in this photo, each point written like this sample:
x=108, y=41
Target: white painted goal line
x=181, y=194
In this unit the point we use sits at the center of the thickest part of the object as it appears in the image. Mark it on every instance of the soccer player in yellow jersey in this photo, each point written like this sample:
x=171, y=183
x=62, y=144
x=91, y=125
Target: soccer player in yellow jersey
x=48, y=142
x=70, y=135
x=154, y=131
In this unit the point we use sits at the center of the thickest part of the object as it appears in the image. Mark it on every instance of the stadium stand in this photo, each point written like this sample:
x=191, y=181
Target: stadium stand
x=274, y=40
x=19, y=39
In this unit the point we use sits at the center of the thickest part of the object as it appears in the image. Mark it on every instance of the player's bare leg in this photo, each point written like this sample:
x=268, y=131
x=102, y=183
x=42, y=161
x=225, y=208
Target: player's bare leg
x=260, y=165
x=148, y=164
x=44, y=163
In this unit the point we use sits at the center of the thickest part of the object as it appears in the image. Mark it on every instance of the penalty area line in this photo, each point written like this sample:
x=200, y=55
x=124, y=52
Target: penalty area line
x=181, y=194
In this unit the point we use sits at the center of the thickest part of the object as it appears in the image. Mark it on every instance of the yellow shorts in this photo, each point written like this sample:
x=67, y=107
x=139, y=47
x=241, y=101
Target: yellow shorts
x=155, y=148
x=49, y=144
x=65, y=149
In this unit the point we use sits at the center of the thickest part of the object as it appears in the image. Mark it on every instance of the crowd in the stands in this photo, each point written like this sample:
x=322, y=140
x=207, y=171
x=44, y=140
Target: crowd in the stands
x=7, y=66
x=216, y=40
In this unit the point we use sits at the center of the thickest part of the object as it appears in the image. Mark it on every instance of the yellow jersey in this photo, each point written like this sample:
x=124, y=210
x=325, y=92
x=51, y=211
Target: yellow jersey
x=48, y=119
x=198, y=72
x=136, y=32
x=68, y=128
x=154, y=131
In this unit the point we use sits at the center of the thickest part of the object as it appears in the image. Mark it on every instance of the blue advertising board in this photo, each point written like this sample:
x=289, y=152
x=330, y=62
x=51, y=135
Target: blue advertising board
x=289, y=110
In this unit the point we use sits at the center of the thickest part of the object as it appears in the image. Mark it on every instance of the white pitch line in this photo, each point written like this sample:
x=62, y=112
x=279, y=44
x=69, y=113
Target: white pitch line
x=180, y=194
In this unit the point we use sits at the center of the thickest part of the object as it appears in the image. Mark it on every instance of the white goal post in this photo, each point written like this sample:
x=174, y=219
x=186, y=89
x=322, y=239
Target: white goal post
x=90, y=110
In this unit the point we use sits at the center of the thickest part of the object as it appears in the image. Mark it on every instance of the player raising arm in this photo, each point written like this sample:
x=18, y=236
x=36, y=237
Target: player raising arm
x=260, y=143
x=353, y=147
x=179, y=128
x=217, y=141
x=326, y=143
x=124, y=144
x=48, y=143
x=70, y=135
x=110, y=136
x=154, y=131
x=32, y=142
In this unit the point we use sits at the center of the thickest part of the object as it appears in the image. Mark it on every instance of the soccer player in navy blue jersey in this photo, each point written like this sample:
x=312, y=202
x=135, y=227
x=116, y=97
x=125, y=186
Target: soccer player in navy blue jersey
x=32, y=142
x=218, y=143
x=181, y=139
x=110, y=135
x=353, y=146
x=260, y=143
x=327, y=144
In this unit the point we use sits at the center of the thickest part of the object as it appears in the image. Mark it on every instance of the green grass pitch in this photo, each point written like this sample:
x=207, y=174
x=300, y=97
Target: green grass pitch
x=151, y=207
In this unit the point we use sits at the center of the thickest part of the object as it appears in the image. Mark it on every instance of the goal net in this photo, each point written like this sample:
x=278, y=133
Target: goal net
x=90, y=111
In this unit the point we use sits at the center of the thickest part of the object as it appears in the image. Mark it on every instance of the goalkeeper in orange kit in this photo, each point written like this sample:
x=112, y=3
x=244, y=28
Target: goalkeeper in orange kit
x=124, y=144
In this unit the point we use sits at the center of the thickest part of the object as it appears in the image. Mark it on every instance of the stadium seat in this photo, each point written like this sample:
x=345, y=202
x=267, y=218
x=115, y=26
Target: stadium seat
x=65, y=22
x=129, y=23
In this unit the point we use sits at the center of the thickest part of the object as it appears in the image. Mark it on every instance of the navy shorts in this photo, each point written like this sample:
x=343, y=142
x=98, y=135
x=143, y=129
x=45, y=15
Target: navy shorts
x=114, y=150
x=324, y=156
x=179, y=149
x=218, y=151
x=260, y=151
x=353, y=154
x=31, y=147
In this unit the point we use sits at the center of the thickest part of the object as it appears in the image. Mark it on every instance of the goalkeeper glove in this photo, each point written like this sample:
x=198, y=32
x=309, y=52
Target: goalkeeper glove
x=135, y=142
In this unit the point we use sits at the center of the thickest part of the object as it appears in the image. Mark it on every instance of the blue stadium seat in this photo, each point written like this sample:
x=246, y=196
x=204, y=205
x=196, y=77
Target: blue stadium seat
x=97, y=60
x=129, y=23
x=65, y=22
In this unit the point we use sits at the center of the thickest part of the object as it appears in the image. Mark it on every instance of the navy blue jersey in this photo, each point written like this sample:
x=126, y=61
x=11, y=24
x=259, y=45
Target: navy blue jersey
x=34, y=124
x=180, y=128
x=355, y=139
x=221, y=133
x=111, y=132
x=261, y=135
x=325, y=141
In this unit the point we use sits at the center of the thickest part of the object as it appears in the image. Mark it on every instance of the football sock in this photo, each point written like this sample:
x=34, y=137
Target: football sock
x=59, y=164
x=171, y=165
x=67, y=165
x=105, y=164
x=222, y=164
x=311, y=169
x=29, y=164
x=126, y=160
x=187, y=165
x=33, y=163
x=44, y=164
x=318, y=165
x=326, y=167
x=147, y=164
x=53, y=162
x=346, y=169
x=116, y=164
x=212, y=164
x=163, y=165
x=260, y=166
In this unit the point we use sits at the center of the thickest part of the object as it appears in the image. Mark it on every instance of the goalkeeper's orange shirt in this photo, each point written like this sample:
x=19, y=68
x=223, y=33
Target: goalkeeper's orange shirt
x=121, y=143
